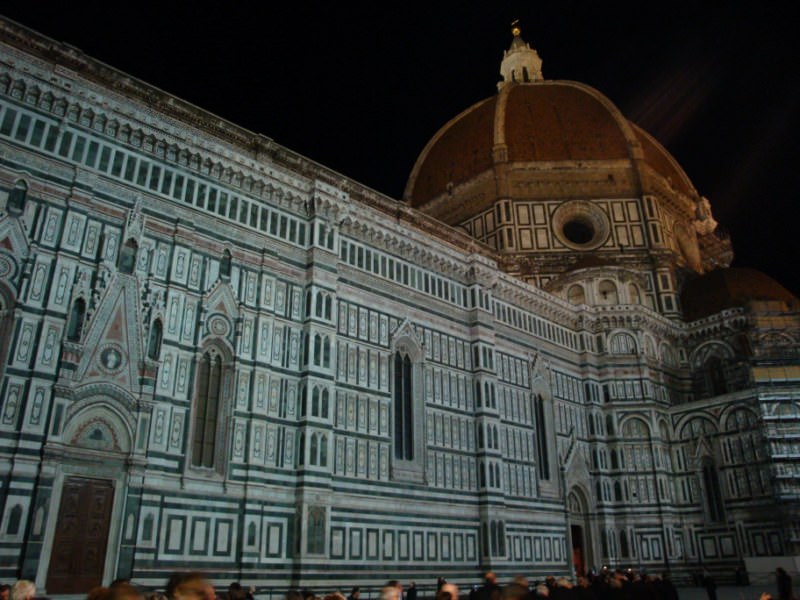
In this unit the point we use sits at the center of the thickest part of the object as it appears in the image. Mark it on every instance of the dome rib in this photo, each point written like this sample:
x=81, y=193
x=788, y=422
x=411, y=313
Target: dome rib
x=428, y=178
x=547, y=122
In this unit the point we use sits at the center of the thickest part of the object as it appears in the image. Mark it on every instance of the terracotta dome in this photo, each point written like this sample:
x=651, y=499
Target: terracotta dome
x=731, y=288
x=541, y=128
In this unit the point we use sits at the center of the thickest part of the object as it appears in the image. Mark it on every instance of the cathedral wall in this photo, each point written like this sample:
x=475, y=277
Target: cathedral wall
x=264, y=375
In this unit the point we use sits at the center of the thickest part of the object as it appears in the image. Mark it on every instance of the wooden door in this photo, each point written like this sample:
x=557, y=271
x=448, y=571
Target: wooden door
x=79, y=547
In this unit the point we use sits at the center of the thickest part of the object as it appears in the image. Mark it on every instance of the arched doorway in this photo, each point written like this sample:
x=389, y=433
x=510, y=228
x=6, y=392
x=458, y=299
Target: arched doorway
x=579, y=531
x=81, y=546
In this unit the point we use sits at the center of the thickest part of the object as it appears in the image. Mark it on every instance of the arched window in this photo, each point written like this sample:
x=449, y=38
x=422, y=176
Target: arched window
x=315, y=402
x=614, y=461
x=225, y=264
x=16, y=199
x=576, y=295
x=501, y=538
x=623, y=544
x=634, y=295
x=318, y=349
x=326, y=352
x=403, y=413
x=313, y=450
x=323, y=451
x=617, y=492
x=208, y=403
x=154, y=342
x=622, y=343
x=316, y=530
x=318, y=305
x=542, y=456
x=301, y=449
x=14, y=520
x=127, y=256
x=324, y=404
x=715, y=376
x=328, y=307
x=147, y=528
x=713, y=493
x=493, y=536
x=610, y=424
x=76, y=318
x=607, y=292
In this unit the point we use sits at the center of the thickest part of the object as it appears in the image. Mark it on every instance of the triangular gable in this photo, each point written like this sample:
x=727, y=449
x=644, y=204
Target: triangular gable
x=406, y=329
x=13, y=237
x=703, y=449
x=221, y=299
x=575, y=467
x=113, y=343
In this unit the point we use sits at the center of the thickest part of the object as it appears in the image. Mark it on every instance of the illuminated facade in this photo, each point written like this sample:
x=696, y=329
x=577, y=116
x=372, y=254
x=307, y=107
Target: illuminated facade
x=219, y=354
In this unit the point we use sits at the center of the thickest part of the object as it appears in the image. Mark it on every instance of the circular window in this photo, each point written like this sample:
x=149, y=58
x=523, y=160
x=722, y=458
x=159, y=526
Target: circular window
x=581, y=225
x=579, y=231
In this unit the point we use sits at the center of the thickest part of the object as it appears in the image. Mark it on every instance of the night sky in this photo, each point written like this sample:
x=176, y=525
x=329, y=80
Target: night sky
x=361, y=87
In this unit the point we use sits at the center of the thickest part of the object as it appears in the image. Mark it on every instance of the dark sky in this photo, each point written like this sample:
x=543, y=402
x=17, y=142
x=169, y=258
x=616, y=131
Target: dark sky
x=361, y=87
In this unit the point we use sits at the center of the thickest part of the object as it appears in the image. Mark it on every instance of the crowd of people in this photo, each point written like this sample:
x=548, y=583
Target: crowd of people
x=606, y=585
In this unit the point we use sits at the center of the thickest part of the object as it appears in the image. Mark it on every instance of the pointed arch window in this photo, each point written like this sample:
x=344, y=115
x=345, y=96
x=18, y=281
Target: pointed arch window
x=16, y=199
x=127, y=256
x=715, y=376
x=14, y=520
x=301, y=449
x=403, y=410
x=76, y=318
x=315, y=543
x=323, y=451
x=205, y=422
x=147, y=528
x=225, y=264
x=315, y=402
x=314, y=449
x=154, y=341
x=542, y=456
x=713, y=492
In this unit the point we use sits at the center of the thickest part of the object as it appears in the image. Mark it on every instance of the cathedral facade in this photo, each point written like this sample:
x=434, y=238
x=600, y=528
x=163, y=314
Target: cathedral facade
x=217, y=354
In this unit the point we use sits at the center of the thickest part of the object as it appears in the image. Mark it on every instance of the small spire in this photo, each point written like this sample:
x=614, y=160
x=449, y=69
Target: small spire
x=521, y=63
